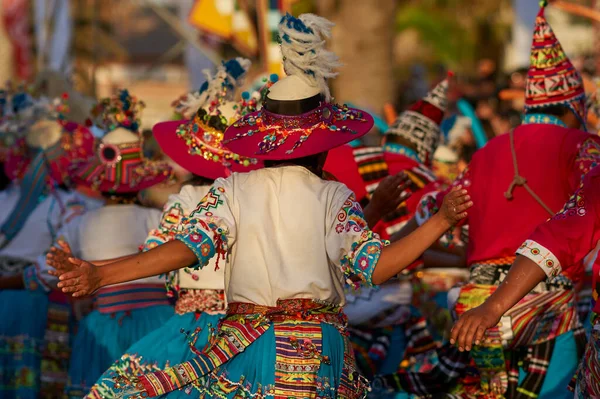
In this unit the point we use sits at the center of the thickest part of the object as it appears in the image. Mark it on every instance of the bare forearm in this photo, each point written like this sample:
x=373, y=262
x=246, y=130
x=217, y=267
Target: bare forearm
x=403, y=252
x=109, y=261
x=522, y=277
x=170, y=256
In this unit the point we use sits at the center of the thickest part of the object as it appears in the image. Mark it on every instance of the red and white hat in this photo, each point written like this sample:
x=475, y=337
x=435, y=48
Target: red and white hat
x=419, y=126
x=297, y=118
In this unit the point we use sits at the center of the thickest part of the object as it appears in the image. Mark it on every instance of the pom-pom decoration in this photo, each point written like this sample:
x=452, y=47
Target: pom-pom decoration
x=120, y=110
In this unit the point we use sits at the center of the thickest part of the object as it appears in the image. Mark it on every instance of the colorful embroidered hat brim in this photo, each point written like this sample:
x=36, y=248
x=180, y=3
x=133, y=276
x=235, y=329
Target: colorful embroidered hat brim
x=123, y=170
x=268, y=136
x=76, y=145
x=552, y=79
x=202, y=157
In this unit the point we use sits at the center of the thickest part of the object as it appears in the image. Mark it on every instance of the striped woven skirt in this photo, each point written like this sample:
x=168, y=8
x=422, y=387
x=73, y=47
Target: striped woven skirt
x=533, y=352
x=297, y=349
x=587, y=380
x=124, y=314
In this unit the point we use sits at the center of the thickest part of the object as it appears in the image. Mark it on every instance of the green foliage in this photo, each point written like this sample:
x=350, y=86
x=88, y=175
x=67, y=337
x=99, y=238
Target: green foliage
x=450, y=42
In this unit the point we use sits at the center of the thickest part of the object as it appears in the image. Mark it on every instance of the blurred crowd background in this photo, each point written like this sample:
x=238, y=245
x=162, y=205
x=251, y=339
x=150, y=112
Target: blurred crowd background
x=393, y=50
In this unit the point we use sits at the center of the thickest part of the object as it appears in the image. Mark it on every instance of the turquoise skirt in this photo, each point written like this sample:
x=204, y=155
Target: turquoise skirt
x=24, y=316
x=294, y=350
x=167, y=345
x=103, y=337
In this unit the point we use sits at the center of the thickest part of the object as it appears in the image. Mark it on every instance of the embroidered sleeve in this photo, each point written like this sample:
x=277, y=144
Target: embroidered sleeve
x=209, y=230
x=564, y=241
x=587, y=158
x=171, y=218
x=352, y=245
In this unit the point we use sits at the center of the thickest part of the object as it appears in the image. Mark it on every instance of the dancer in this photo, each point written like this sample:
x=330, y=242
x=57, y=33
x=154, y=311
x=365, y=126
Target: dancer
x=200, y=299
x=124, y=313
x=286, y=239
x=35, y=321
x=557, y=246
x=385, y=329
x=537, y=361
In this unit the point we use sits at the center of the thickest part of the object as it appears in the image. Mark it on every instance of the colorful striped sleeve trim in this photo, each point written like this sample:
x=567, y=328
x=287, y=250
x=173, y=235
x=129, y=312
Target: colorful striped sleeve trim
x=542, y=257
x=200, y=243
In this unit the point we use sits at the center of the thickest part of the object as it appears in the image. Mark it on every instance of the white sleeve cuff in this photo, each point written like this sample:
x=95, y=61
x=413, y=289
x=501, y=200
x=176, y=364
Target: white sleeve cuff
x=542, y=257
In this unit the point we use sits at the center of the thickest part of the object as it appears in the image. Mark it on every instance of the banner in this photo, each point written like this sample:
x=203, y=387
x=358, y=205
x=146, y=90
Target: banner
x=228, y=20
x=16, y=21
x=53, y=33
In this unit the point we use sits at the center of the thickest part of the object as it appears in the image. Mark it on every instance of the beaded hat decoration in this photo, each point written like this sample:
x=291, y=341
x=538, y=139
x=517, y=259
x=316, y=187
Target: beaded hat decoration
x=120, y=166
x=18, y=110
x=63, y=143
x=420, y=126
x=196, y=145
x=315, y=125
x=121, y=110
x=552, y=79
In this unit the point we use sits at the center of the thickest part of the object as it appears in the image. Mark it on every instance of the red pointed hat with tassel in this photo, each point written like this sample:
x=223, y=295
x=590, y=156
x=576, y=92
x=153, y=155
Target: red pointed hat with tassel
x=419, y=126
x=552, y=79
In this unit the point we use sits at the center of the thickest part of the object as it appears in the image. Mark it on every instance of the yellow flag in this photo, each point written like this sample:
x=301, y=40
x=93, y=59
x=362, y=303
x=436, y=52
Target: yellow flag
x=227, y=19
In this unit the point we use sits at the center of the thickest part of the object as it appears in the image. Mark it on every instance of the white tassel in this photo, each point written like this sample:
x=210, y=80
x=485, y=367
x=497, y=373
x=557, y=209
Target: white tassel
x=305, y=55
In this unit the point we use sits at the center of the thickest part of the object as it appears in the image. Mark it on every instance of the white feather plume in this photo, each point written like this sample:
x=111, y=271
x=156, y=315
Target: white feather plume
x=304, y=53
x=196, y=100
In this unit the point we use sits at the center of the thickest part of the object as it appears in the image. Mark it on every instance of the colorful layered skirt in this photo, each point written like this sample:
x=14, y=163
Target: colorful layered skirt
x=124, y=314
x=34, y=344
x=179, y=340
x=296, y=349
x=533, y=352
x=587, y=379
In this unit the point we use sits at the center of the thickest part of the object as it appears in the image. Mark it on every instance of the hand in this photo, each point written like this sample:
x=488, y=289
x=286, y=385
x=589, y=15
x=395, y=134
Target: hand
x=471, y=326
x=455, y=205
x=82, y=281
x=389, y=194
x=58, y=259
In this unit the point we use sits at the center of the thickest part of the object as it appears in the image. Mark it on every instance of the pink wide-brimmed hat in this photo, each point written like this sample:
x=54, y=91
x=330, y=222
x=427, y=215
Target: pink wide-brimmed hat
x=63, y=143
x=196, y=144
x=120, y=167
x=297, y=118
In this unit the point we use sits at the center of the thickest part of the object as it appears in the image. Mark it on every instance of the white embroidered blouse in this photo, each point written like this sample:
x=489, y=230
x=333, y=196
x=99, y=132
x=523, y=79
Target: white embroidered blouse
x=282, y=233
x=177, y=207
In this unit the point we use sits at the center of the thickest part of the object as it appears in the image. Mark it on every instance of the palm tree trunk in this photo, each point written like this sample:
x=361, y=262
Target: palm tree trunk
x=363, y=39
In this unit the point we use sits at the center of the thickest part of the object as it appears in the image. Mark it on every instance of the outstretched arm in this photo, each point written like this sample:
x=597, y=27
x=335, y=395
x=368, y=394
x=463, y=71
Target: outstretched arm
x=87, y=278
x=564, y=240
x=522, y=277
x=58, y=259
x=405, y=251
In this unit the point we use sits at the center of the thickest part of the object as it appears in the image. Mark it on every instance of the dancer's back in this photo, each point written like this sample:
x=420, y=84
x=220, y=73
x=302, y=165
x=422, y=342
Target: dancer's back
x=285, y=244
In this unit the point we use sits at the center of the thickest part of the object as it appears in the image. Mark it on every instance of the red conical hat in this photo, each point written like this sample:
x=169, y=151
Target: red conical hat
x=552, y=79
